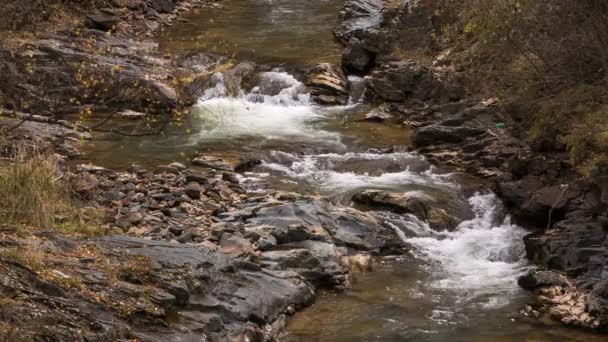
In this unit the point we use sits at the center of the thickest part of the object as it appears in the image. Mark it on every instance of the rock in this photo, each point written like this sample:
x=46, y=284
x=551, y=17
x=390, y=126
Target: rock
x=197, y=178
x=438, y=134
x=164, y=94
x=230, y=177
x=185, y=238
x=194, y=190
x=439, y=220
x=130, y=115
x=358, y=263
x=401, y=203
x=402, y=81
x=162, y=6
x=327, y=84
x=246, y=165
x=102, y=20
x=377, y=115
x=179, y=166
x=360, y=20
x=212, y=163
x=94, y=169
x=176, y=228
x=235, y=246
x=356, y=59
x=532, y=201
x=575, y=246
x=536, y=279
x=166, y=169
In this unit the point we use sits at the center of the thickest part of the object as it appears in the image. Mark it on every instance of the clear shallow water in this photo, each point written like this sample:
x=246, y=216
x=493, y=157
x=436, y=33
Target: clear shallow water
x=458, y=286
x=282, y=31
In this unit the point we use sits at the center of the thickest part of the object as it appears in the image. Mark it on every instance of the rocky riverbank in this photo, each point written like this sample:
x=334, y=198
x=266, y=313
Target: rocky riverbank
x=569, y=215
x=189, y=254
x=195, y=258
x=186, y=252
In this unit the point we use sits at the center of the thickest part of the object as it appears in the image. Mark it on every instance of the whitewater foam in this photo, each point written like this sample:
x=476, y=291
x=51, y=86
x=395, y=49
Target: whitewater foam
x=481, y=260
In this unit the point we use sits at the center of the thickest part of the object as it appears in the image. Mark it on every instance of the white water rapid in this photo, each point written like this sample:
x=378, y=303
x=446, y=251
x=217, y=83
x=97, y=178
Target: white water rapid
x=463, y=272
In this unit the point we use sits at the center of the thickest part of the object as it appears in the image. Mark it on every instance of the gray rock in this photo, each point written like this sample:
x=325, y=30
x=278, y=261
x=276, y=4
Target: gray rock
x=439, y=134
x=536, y=279
x=402, y=81
x=235, y=246
x=401, y=203
x=162, y=6
x=102, y=20
x=193, y=190
x=356, y=59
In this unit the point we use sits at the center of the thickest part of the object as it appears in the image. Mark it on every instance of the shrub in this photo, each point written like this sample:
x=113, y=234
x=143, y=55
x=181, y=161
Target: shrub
x=551, y=57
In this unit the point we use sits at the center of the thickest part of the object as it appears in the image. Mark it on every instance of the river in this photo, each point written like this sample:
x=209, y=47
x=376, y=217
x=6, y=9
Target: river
x=458, y=286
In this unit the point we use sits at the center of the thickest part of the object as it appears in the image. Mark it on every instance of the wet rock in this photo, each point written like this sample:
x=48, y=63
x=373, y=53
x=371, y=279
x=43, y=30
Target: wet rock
x=212, y=163
x=401, y=203
x=358, y=263
x=246, y=165
x=537, y=279
x=230, y=177
x=377, y=115
x=327, y=84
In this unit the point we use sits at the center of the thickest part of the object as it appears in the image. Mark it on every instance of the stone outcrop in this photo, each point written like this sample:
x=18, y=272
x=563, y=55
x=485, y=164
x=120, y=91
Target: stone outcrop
x=485, y=139
x=402, y=81
x=327, y=85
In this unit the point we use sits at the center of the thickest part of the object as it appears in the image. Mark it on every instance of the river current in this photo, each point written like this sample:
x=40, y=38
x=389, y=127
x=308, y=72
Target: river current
x=457, y=286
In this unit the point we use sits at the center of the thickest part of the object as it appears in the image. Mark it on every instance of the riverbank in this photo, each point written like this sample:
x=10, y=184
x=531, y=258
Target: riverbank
x=484, y=137
x=157, y=253
x=188, y=251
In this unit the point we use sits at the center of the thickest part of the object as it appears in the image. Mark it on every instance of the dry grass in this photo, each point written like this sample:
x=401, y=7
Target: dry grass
x=32, y=191
x=35, y=195
x=32, y=258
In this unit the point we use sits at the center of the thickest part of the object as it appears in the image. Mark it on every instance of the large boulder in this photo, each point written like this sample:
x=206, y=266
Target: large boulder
x=327, y=84
x=400, y=81
x=401, y=203
x=532, y=201
x=574, y=246
x=359, y=19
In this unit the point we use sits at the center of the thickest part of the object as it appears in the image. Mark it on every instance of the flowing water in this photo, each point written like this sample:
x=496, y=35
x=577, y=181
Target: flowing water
x=458, y=286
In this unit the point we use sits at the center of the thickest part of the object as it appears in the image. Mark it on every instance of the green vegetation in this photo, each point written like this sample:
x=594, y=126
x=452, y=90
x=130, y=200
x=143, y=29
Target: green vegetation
x=549, y=57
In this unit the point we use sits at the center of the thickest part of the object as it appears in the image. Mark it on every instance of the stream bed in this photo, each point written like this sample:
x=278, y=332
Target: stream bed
x=458, y=286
